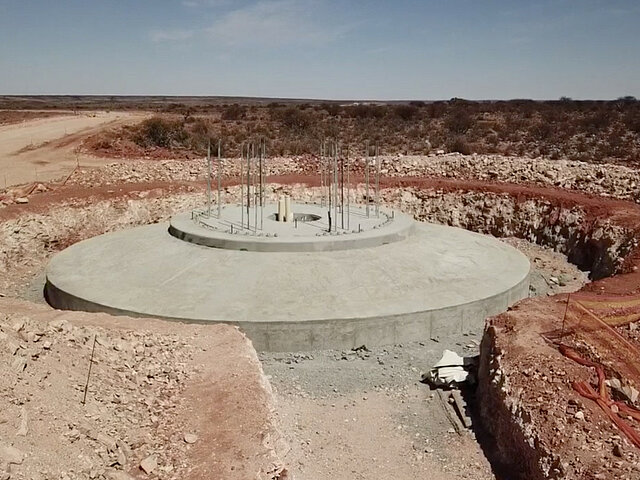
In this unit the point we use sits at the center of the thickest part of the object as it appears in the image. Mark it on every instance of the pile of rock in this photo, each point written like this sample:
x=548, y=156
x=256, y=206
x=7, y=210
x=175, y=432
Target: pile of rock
x=600, y=179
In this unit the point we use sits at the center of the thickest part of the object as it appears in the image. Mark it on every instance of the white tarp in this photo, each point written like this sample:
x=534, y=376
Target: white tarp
x=449, y=370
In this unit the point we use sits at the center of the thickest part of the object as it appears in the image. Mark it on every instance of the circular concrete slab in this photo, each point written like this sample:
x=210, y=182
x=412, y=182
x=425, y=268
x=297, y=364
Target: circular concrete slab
x=438, y=281
x=353, y=229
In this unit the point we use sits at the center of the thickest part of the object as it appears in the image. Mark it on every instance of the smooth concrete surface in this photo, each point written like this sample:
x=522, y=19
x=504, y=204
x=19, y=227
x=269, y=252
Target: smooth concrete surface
x=227, y=232
x=438, y=281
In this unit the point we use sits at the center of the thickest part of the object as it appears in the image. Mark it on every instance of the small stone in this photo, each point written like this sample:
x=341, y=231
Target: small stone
x=24, y=427
x=18, y=325
x=630, y=392
x=579, y=415
x=149, y=464
x=19, y=364
x=190, y=438
x=617, y=450
x=22, y=200
x=11, y=455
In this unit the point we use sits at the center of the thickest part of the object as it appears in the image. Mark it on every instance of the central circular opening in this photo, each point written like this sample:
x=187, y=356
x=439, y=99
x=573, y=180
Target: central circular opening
x=300, y=217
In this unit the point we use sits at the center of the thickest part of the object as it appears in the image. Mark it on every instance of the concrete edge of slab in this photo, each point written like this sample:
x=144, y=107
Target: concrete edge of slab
x=338, y=333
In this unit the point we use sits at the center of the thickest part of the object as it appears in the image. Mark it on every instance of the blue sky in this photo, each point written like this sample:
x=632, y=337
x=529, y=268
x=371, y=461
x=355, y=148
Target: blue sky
x=358, y=49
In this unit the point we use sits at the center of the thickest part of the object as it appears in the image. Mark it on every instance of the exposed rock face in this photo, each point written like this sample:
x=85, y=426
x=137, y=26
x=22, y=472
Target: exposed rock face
x=516, y=446
x=540, y=426
x=598, y=246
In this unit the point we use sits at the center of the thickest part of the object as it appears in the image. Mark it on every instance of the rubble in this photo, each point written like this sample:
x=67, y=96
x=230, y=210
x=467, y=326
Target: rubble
x=144, y=403
x=127, y=403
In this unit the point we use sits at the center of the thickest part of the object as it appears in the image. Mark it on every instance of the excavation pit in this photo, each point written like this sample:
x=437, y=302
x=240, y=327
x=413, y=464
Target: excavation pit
x=396, y=281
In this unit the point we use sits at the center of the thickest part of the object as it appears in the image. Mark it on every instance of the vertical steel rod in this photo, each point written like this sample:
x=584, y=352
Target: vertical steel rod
x=242, y=186
x=209, y=179
x=262, y=183
x=348, y=192
x=366, y=178
x=321, y=176
x=342, y=189
x=255, y=187
x=249, y=152
x=86, y=386
x=335, y=179
x=377, y=182
x=329, y=191
x=219, y=181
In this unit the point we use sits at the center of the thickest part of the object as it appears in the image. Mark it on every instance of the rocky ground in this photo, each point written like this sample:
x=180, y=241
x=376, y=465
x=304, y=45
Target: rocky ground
x=142, y=417
x=364, y=414
x=551, y=272
x=604, y=180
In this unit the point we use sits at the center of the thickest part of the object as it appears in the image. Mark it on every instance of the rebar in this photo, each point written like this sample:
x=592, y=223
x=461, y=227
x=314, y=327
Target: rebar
x=321, y=166
x=342, y=190
x=219, y=181
x=348, y=193
x=255, y=189
x=366, y=179
x=335, y=181
x=377, y=182
x=209, y=179
x=329, y=194
x=86, y=386
x=242, y=187
x=249, y=153
x=262, y=154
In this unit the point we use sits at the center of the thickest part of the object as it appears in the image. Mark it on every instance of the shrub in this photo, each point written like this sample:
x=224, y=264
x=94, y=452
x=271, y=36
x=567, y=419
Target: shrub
x=332, y=109
x=233, y=112
x=541, y=130
x=295, y=119
x=459, y=144
x=459, y=122
x=160, y=132
x=632, y=120
x=406, y=112
x=365, y=111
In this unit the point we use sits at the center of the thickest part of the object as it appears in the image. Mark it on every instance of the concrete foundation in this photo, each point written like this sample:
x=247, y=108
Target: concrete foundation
x=436, y=281
x=235, y=229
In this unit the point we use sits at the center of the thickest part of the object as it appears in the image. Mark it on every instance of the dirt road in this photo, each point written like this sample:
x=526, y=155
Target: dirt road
x=45, y=149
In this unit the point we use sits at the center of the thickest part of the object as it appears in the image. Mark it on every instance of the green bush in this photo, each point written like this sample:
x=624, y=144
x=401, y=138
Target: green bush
x=161, y=132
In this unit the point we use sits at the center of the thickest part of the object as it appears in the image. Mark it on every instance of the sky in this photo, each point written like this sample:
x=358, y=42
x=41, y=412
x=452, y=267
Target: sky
x=326, y=49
